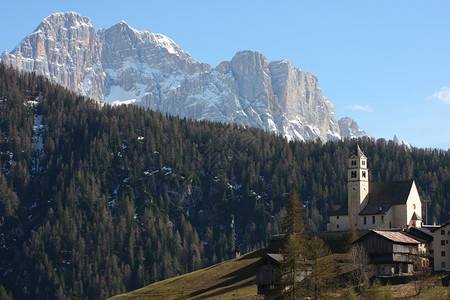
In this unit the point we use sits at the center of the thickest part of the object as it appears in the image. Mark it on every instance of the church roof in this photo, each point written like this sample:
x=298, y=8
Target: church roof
x=358, y=152
x=415, y=217
x=343, y=210
x=382, y=195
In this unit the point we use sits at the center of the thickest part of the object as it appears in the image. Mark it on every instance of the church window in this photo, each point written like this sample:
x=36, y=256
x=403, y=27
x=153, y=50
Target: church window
x=363, y=162
x=365, y=220
x=364, y=174
x=382, y=219
x=353, y=174
x=373, y=219
x=337, y=226
x=337, y=217
x=353, y=162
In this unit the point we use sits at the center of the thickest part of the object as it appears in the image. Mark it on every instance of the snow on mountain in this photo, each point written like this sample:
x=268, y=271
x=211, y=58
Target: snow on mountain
x=121, y=65
x=402, y=143
x=350, y=129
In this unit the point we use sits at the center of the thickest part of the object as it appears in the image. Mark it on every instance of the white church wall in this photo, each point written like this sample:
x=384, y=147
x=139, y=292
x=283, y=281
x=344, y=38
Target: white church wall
x=338, y=223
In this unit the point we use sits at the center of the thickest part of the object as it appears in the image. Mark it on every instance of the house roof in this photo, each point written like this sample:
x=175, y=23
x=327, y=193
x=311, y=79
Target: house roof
x=272, y=256
x=421, y=233
x=396, y=236
x=275, y=256
x=382, y=195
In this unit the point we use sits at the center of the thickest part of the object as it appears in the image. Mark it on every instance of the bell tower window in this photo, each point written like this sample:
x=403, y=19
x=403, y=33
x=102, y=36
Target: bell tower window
x=353, y=175
x=364, y=174
x=353, y=162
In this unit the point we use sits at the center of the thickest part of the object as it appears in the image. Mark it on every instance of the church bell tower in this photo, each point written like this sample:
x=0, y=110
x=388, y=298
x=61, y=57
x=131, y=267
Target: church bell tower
x=357, y=184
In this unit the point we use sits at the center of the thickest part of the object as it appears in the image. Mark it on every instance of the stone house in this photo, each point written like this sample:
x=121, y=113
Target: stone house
x=441, y=248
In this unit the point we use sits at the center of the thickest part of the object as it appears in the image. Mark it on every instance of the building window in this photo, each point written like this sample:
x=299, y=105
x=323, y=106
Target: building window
x=363, y=162
x=337, y=226
x=442, y=253
x=373, y=219
x=337, y=217
x=443, y=264
x=353, y=162
x=382, y=219
x=442, y=232
x=443, y=243
x=353, y=174
x=365, y=220
x=364, y=174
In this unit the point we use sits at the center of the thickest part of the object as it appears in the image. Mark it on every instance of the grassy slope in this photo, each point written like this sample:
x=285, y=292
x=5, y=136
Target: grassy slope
x=227, y=280
x=235, y=279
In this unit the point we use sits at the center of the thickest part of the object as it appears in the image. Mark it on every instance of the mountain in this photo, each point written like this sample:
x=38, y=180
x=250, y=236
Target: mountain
x=350, y=129
x=123, y=65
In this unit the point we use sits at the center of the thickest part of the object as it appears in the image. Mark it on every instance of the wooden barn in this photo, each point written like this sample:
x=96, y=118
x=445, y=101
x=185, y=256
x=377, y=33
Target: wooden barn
x=391, y=252
x=265, y=272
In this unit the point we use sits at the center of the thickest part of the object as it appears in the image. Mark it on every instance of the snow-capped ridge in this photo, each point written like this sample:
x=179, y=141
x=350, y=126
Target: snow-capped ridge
x=122, y=65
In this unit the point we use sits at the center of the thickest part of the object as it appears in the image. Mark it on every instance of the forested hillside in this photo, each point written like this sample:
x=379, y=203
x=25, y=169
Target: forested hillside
x=101, y=200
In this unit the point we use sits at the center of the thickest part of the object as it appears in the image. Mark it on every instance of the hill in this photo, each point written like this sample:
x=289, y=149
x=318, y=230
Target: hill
x=235, y=279
x=230, y=279
x=103, y=200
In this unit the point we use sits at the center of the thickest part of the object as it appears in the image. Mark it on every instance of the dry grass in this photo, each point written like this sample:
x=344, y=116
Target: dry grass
x=233, y=279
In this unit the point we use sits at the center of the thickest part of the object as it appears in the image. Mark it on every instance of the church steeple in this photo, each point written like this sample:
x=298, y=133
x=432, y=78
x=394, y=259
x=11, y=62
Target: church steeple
x=357, y=183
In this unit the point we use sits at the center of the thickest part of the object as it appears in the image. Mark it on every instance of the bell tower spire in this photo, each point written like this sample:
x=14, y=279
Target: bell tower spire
x=357, y=184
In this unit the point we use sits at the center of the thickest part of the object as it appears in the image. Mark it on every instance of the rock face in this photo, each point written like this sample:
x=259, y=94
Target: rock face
x=122, y=65
x=66, y=49
x=350, y=129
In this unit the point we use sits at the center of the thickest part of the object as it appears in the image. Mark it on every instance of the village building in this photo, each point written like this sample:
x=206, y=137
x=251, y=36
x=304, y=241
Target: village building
x=441, y=248
x=266, y=273
x=375, y=205
x=392, y=253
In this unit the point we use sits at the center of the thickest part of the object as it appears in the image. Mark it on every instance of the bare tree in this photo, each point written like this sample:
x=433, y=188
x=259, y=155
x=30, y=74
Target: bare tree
x=422, y=272
x=360, y=260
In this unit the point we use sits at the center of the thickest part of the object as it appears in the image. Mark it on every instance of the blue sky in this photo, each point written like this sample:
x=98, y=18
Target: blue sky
x=385, y=64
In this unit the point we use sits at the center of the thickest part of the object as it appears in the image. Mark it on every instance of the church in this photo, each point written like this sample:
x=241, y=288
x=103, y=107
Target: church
x=375, y=205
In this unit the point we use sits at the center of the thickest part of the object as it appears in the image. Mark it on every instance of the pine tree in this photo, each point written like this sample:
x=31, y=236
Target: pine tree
x=322, y=265
x=292, y=267
x=293, y=222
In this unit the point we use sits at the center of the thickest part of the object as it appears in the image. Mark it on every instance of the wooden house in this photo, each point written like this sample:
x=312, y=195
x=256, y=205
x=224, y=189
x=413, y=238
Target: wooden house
x=391, y=252
x=265, y=272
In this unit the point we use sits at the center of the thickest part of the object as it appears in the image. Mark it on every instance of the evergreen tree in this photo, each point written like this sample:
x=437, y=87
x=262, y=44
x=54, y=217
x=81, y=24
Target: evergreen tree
x=293, y=222
x=293, y=267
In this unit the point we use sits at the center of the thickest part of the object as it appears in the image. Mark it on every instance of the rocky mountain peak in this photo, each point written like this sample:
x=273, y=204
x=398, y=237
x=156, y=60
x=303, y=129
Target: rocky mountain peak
x=350, y=129
x=123, y=65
